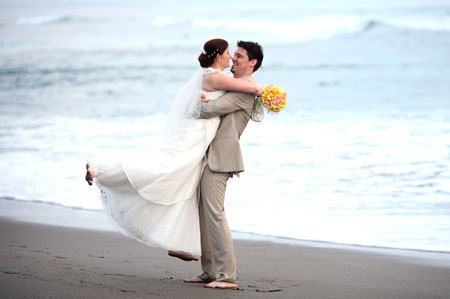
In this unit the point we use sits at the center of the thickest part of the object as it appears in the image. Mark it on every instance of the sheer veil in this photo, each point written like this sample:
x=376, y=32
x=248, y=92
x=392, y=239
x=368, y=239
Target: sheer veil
x=258, y=112
x=186, y=104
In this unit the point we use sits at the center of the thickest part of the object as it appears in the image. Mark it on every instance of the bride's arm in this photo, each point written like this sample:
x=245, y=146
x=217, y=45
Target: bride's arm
x=212, y=82
x=228, y=103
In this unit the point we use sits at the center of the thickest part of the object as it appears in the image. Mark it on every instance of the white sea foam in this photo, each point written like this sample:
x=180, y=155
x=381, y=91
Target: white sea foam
x=162, y=21
x=319, y=27
x=322, y=27
x=310, y=180
x=439, y=23
x=42, y=20
x=167, y=30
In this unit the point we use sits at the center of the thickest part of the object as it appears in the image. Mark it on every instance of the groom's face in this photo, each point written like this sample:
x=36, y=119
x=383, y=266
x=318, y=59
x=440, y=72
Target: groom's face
x=241, y=64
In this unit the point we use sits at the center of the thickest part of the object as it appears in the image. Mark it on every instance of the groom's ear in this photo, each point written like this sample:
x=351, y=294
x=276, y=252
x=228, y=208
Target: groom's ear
x=252, y=62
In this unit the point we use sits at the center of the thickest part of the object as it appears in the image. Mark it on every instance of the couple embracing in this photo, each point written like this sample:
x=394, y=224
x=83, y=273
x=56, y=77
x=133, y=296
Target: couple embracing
x=173, y=196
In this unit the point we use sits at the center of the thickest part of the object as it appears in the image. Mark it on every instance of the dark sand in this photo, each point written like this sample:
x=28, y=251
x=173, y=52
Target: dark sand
x=49, y=261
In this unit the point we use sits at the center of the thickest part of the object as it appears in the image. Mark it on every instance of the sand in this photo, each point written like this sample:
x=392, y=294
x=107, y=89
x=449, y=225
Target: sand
x=51, y=259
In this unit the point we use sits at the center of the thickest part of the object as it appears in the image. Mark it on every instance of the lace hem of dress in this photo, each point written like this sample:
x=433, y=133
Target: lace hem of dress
x=126, y=229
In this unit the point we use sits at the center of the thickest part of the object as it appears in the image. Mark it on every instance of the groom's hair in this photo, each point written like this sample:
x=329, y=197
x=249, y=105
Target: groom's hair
x=254, y=51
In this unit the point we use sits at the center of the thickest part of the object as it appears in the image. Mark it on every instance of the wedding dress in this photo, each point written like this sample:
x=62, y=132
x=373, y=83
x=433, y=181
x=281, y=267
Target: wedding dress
x=153, y=199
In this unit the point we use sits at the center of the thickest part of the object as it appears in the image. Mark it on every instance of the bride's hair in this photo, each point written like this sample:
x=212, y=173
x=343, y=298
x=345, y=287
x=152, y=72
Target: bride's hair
x=211, y=49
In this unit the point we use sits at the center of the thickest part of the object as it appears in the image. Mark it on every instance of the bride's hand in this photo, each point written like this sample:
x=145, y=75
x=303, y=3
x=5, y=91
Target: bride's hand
x=259, y=91
x=204, y=99
x=250, y=79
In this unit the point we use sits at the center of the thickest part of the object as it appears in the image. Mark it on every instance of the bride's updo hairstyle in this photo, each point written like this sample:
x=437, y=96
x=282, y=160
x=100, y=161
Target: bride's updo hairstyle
x=211, y=49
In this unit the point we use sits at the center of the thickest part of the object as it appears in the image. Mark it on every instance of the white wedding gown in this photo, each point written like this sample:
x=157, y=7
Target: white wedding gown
x=154, y=198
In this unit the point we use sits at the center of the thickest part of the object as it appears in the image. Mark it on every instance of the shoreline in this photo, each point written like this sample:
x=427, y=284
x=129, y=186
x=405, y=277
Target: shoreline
x=55, y=261
x=95, y=220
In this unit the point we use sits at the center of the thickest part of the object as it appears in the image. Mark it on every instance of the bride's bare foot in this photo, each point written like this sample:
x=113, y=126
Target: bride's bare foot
x=89, y=175
x=195, y=279
x=221, y=285
x=183, y=256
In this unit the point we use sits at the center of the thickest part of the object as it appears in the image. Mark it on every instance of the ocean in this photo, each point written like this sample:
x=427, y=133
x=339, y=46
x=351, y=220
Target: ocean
x=360, y=155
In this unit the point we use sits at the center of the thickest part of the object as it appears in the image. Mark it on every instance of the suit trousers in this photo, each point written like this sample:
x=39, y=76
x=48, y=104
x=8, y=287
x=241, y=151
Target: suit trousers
x=218, y=258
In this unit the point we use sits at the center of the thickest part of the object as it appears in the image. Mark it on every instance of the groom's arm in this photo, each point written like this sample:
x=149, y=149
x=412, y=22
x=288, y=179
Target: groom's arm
x=228, y=103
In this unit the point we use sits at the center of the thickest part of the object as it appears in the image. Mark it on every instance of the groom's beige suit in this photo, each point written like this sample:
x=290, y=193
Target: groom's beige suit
x=224, y=159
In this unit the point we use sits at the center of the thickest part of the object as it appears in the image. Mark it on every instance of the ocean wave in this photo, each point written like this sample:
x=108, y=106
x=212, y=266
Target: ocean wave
x=45, y=20
x=322, y=27
x=420, y=23
x=314, y=28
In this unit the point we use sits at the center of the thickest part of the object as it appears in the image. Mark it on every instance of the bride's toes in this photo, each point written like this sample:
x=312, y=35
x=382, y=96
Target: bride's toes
x=195, y=279
x=183, y=256
x=89, y=175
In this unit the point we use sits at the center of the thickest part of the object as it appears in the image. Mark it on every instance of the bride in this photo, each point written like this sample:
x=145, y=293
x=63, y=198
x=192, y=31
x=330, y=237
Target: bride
x=153, y=199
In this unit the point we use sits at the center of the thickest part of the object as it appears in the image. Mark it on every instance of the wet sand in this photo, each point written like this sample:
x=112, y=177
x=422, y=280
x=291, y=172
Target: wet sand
x=58, y=261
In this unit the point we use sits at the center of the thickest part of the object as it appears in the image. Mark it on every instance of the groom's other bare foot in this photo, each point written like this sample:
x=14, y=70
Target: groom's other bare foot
x=221, y=285
x=89, y=175
x=183, y=256
x=195, y=279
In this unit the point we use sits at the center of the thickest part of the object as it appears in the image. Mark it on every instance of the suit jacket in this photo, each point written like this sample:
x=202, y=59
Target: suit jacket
x=235, y=109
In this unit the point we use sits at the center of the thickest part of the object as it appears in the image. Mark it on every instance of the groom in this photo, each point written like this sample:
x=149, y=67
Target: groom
x=224, y=159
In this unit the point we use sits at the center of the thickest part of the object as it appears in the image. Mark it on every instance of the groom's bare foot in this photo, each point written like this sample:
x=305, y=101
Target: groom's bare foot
x=183, y=256
x=89, y=175
x=195, y=279
x=221, y=285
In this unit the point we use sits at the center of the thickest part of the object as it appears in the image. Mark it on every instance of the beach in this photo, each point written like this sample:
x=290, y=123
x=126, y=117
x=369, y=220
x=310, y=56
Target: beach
x=360, y=154
x=345, y=192
x=67, y=258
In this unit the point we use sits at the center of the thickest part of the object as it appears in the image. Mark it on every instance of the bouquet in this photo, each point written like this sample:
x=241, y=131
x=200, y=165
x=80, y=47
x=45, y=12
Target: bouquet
x=273, y=98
